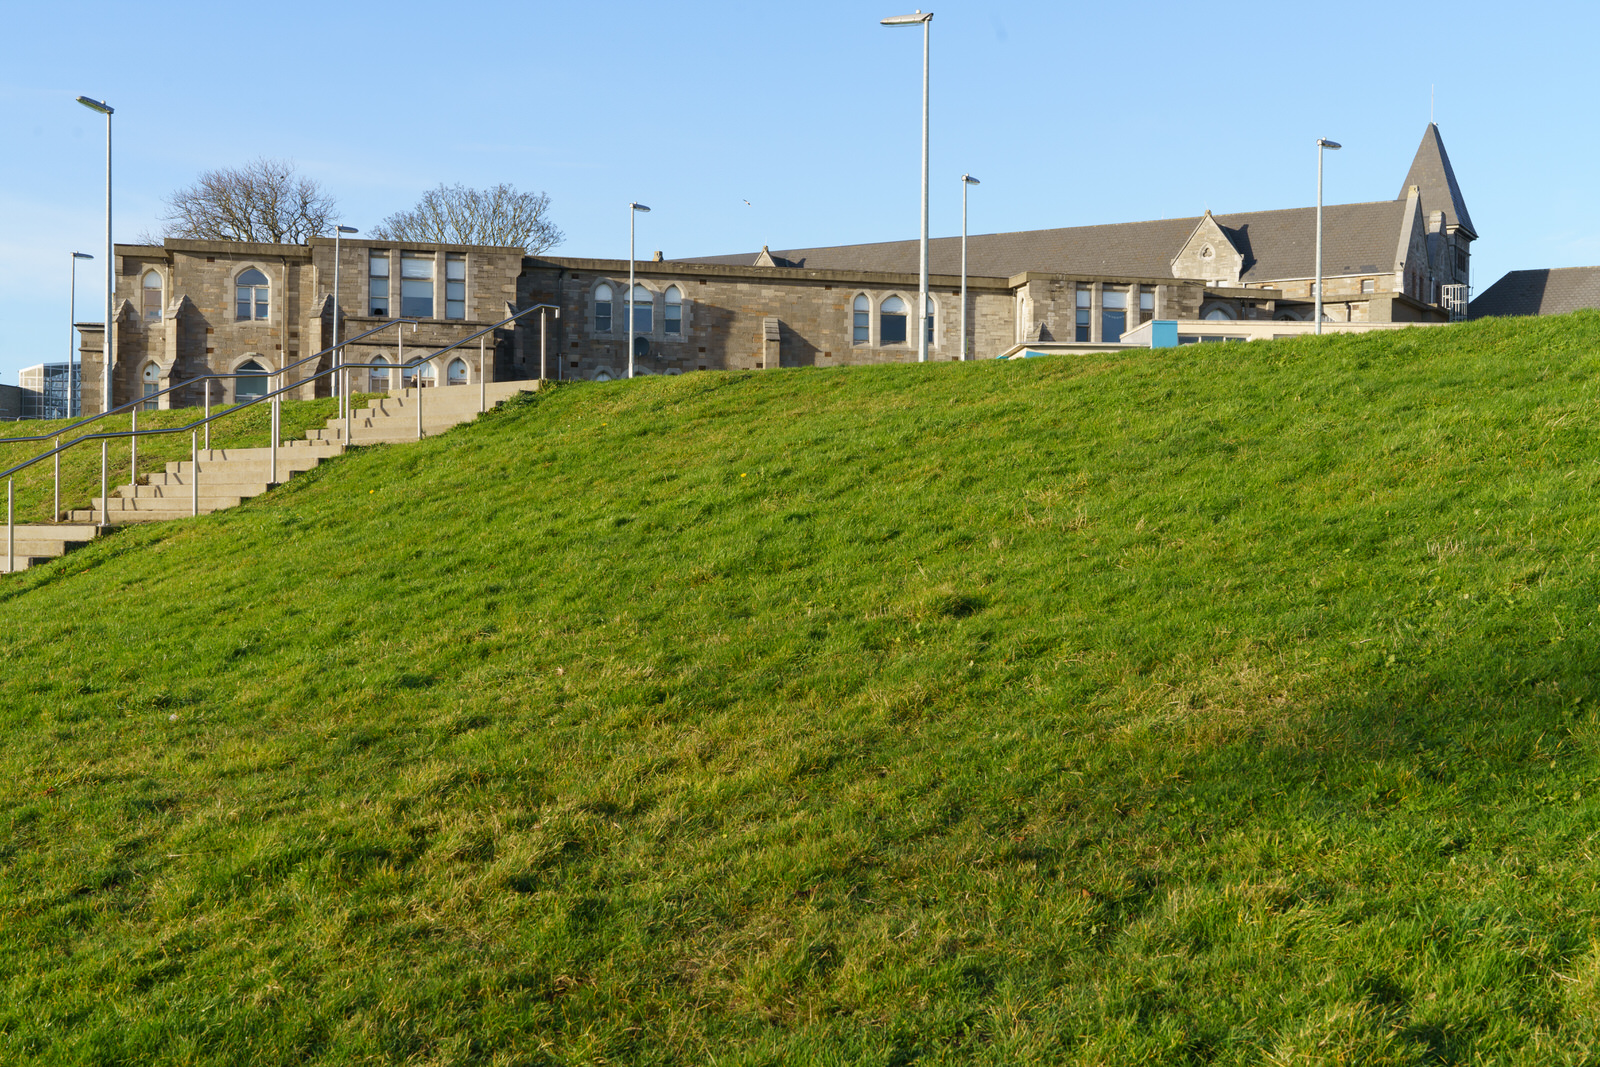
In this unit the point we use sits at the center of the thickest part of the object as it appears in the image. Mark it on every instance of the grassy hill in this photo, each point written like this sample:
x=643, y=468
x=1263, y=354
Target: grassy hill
x=1234, y=704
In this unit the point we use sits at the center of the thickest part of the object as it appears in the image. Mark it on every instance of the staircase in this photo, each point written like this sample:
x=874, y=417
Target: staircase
x=226, y=476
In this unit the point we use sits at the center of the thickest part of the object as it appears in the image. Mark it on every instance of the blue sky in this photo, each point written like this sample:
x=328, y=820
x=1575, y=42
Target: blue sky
x=1071, y=114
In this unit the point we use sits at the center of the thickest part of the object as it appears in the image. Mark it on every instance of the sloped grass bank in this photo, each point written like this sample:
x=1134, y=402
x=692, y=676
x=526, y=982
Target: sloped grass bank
x=1229, y=705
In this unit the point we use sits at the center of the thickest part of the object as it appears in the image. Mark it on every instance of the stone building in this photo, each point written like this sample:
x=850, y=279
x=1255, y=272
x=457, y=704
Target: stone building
x=186, y=307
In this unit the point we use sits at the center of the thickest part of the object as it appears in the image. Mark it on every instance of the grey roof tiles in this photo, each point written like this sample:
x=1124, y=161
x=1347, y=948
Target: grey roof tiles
x=1540, y=292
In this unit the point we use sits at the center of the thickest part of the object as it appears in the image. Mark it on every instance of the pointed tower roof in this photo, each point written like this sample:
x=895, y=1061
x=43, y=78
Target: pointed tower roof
x=1431, y=171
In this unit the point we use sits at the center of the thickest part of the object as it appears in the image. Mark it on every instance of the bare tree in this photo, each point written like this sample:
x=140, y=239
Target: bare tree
x=263, y=201
x=454, y=214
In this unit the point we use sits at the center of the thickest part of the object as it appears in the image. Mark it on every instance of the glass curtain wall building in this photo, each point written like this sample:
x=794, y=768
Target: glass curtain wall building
x=47, y=393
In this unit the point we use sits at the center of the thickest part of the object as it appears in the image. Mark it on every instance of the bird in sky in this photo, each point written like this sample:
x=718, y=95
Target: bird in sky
x=747, y=203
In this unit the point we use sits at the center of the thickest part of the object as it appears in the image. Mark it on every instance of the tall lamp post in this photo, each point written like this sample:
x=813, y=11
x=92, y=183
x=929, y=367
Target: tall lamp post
x=1322, y=143
x=338, y=353
x=72, y=339
x=967, y=180
x=922, y=321
x=633, y=213
x=108, y=353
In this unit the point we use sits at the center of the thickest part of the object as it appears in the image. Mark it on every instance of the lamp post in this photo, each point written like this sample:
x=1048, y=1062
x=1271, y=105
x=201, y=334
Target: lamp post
x=110, y=343
x=338, y=353
x=922, y=322
x=633, y=210
x=966, y=181
x=72, y=336
x=1322, y=143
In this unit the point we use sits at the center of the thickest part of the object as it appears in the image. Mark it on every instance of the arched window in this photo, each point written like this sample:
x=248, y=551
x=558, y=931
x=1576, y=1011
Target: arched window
x=408, y=377
x=642, y=305
x=251, y=381
x=602, y=375
x=602, y=309
x=379, y=378
x=251, y=293
x=892, y=321
x=861, y=329
x=152, y=296
x=1218, y=315
x=152, y=383
x=672, y=322
x=456, y=373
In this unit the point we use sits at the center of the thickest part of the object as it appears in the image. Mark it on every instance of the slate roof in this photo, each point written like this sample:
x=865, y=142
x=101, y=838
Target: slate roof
x=1540, y=292
x=1357, y=239
x=1431, y=171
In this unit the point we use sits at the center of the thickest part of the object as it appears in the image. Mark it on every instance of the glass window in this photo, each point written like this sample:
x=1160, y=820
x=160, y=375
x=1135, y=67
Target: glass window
x=251, y=381
x=455, y=285
x=152, y=296
x=1113, y=314
x=378, y=283
x=892, y=321
x=1147, y=303
x=408, y=376
x=642, y=304
x=416, y=285
x=930, y=327
x=861, y=330
x=1368, y=284
x=152, y=382
x=602, y=308
x=456, y=373
x=250, y=291
x=673, y=322
x=1081, y=327
x=379, y=378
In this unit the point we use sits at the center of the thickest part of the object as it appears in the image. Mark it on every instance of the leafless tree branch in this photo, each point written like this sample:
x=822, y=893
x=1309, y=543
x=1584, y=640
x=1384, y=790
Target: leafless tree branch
x=458, y=215
x=263, y=201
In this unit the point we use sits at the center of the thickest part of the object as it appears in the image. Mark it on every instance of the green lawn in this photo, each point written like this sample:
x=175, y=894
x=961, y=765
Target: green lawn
x=1231, y=704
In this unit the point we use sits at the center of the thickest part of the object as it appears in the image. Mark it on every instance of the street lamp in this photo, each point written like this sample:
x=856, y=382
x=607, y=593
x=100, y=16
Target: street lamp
x=339, y=380
x=922, y=322
x=106, y=110
x=966, y=180
x=72, y=336
x=1322, y=142
x=633, y=210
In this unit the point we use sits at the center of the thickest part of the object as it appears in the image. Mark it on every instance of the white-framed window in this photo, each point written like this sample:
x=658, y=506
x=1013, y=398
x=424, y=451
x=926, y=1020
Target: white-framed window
x=151, y=380
x=378, y=282
x=251, y=381
x=642, y=307
x=892, y=321
x=1147, y=303
x=1081, y=311
x=603, y=296
x=861, y=320
x=1369, y=285
x=378, y=380
x=672, y=312
x=416, y=285
x=1113, y=314
x=251, y=296
x=151, y=296
x=455, y=285
x=456, y=373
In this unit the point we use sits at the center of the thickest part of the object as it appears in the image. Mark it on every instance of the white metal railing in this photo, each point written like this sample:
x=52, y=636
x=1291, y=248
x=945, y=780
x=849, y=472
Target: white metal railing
x=1456, y=299
x=274, y=395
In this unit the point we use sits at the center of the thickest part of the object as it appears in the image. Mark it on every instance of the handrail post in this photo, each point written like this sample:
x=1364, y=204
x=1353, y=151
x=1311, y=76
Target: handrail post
x=56, y=517
x=347, y=405
x=105, y=505
x=419, y=398
x=272, y=445
x=483, y=395
x=11, y=533
x=194, y=475
x=133, y=449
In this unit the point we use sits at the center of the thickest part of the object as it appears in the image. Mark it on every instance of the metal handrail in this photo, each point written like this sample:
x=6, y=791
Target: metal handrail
x=337, y=368
x=134, y=404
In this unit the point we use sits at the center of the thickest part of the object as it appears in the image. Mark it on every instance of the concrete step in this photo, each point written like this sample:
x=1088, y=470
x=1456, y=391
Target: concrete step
x=55, y=531
x=23, y=562
x=221, y=475
x=169, y=506
x=208, y=492
x=384, y=429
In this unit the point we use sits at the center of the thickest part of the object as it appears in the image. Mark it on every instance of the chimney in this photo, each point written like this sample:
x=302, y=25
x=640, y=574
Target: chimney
x=657, y=257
